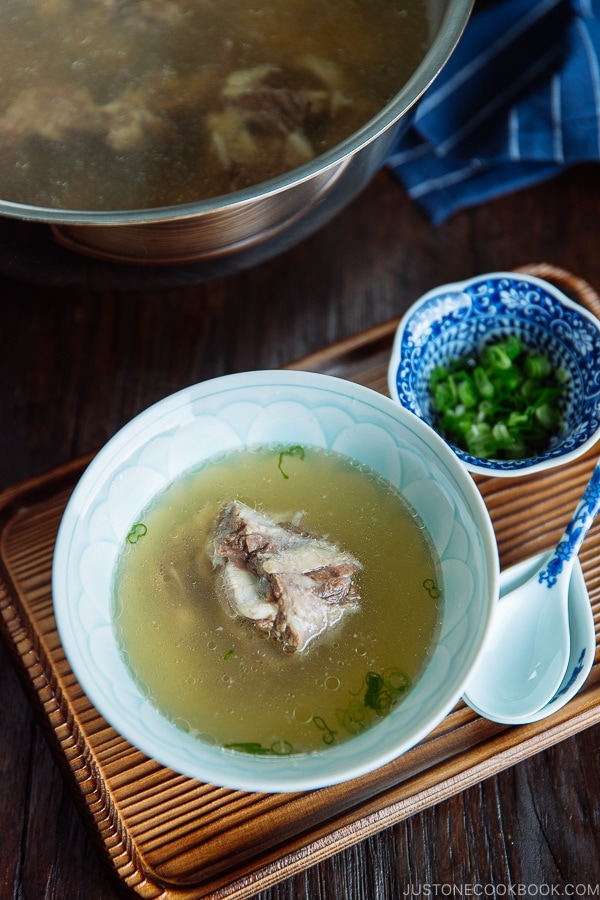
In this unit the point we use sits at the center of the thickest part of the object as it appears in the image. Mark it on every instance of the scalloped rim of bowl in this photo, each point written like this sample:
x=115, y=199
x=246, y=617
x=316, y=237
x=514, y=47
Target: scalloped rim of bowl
x=491, y=467
x=289, y=406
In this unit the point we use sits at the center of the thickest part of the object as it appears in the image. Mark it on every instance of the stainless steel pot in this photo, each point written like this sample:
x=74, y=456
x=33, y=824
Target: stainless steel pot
x=231, y=232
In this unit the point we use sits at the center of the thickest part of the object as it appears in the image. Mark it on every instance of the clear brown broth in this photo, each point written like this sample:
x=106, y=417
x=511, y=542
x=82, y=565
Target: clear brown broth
x=175, y=56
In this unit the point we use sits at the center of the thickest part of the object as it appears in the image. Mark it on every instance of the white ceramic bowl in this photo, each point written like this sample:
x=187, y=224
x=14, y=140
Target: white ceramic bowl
x=257, y=408
x=453, y=320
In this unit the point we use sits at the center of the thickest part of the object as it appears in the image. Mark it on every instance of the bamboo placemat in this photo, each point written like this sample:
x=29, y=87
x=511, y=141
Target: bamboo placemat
x=168, y=836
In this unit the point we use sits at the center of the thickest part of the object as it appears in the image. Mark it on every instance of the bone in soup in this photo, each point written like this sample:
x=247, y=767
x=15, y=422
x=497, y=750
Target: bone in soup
x=277, y=600
x=130, y=104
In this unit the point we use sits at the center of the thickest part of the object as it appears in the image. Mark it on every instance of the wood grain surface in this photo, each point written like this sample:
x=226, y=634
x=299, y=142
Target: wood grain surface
x=168, y=836
x=79, y=361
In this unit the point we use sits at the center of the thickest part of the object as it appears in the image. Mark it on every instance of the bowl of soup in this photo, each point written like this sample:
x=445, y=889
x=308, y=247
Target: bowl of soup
x=504, y=366
x=274, y=581
x=172, y=131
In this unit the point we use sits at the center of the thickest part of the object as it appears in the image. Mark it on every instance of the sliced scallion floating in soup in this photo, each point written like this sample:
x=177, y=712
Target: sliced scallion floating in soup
x=220, y=589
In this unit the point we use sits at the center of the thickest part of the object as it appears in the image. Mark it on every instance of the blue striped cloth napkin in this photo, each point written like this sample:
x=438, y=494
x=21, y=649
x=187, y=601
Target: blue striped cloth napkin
x=518, y=102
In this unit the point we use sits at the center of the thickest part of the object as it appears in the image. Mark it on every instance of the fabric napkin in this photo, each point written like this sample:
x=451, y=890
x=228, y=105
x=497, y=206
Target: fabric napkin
x=518, y=102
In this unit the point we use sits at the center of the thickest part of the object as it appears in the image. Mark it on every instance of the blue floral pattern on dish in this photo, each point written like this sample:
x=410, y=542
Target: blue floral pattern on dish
x=575, y=532
x=571, y=677
x=450, y=321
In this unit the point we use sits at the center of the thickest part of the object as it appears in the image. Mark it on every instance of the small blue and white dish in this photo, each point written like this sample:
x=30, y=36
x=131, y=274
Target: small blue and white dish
x=455, y=320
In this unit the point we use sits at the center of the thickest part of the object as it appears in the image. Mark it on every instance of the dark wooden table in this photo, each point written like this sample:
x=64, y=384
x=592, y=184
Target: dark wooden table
x=80, y=360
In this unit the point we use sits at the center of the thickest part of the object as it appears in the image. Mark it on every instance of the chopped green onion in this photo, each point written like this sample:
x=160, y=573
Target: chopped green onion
x=138, y=531
x=328, y=735
x=435, y=593
x=277, y=748
x=545, y=415
x=293, y=451
x=496, y=357
x=380, y=693
x=467, y=393
x=502, y=403
x=483, y=384
x=537, y=366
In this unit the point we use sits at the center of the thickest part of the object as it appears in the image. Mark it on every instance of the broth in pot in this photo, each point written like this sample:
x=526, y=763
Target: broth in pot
x=136, y=104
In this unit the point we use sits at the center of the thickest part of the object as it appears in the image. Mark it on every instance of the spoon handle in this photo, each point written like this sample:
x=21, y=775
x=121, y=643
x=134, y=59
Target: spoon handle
x=568, y=547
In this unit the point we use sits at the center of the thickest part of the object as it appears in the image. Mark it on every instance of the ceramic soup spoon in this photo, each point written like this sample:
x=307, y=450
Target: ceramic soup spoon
x=526, y=656
x=582, y=638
